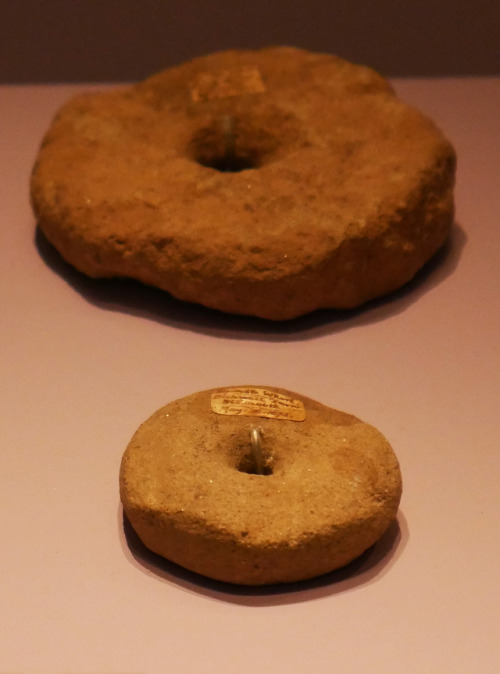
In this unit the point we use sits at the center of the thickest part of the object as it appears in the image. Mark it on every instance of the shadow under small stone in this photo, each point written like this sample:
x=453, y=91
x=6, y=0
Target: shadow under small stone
x=362, y=570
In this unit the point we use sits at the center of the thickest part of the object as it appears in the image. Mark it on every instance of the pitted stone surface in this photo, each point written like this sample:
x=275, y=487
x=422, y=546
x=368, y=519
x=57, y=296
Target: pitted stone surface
x=330, y=489
x=268, y=183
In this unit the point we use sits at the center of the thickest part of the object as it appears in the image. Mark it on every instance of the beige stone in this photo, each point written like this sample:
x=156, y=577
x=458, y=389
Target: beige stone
x=329, y=487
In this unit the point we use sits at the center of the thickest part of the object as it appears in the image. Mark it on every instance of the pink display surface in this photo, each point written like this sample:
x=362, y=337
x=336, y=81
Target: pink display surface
x=84, y=362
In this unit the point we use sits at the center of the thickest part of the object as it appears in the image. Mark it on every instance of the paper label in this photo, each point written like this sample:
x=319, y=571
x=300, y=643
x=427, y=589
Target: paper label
x=257, y=402
x=227, y=83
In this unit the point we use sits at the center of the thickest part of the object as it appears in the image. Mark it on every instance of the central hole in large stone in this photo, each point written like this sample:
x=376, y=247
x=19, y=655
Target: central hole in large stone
x=229, y=163
x=226, y=146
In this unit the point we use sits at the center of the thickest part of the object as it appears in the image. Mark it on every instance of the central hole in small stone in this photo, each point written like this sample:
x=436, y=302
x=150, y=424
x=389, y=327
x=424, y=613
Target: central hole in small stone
x=256, y=461
x=247, y=465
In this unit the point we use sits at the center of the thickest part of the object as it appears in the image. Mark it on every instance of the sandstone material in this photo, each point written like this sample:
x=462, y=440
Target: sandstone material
x=268, y=183
x=330, y=487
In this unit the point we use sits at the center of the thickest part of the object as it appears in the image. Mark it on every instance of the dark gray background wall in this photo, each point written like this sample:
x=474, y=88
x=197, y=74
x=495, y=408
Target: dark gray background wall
x=112, y=40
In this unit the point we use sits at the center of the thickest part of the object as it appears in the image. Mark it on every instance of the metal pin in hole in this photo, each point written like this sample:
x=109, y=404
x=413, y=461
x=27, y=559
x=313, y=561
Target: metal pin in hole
x=256, y=437
x=228, y=136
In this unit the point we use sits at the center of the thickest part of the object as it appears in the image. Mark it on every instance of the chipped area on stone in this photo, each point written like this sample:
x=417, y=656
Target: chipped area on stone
x=227, y=83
